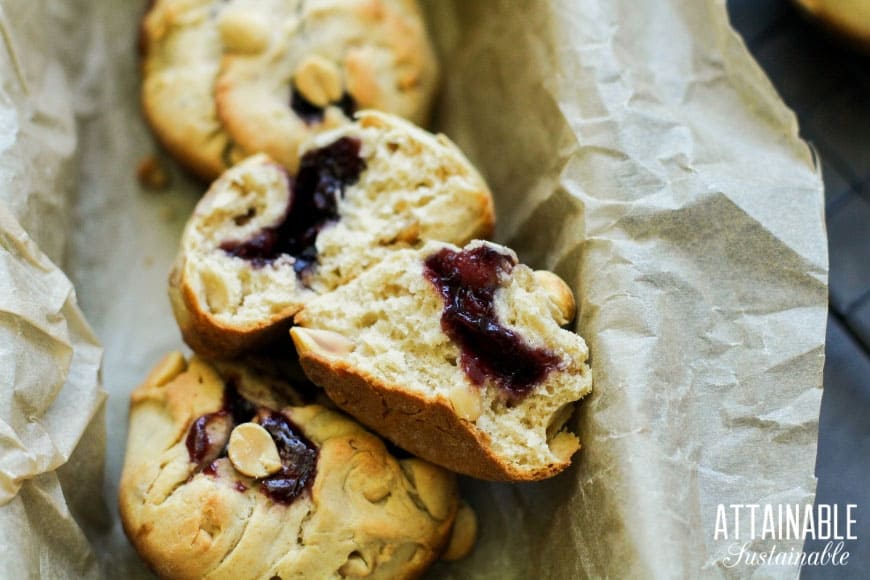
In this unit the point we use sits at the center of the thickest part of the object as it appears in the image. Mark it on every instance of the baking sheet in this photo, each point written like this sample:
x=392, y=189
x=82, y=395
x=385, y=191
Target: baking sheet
x=633, y=147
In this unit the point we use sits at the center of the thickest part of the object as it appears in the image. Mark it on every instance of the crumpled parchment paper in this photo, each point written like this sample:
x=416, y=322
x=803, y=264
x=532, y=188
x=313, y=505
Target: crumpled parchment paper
x=52, y=430
x=52, y=425
x=635, y=148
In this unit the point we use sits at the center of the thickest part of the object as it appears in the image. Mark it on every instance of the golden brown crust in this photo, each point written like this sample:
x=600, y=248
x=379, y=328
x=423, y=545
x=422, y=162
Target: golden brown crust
x=428, y=428
x=180, y=49
x=207, y=336
x=365, y=514
x=562, y=298
x=200, y=167
x=377, y=51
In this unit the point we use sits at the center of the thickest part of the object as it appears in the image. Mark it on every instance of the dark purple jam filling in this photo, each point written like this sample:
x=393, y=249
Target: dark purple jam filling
x=209, y=434
x=467, y=281
x=298, y=459
x=311, y=114
x=323, y=175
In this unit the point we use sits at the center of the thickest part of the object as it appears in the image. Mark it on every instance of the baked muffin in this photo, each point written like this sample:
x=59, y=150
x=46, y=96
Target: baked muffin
x=262, y=242
x=181, y=54
x=293, y=69
x=217, y=483
x=456, y=355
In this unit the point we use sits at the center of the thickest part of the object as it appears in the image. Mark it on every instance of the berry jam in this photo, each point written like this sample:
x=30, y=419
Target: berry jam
x=311, y=114
x=209, y=434
x=298, y=459
x=467, y=281
x=323, y=175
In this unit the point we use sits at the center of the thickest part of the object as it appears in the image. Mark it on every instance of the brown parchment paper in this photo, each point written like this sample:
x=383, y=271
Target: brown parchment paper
x=635, y=148
x=52, y=427
x=52, y=436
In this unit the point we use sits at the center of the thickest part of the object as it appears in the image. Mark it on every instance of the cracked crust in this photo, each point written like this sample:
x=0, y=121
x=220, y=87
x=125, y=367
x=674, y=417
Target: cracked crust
x=416, y=423
x=376, y=346
x=375, y=51
x=365, y=514
x=181, y=52
x=416, y=186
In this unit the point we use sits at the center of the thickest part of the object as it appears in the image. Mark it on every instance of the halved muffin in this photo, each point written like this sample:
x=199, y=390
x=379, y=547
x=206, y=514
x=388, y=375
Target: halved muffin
x=455, y=354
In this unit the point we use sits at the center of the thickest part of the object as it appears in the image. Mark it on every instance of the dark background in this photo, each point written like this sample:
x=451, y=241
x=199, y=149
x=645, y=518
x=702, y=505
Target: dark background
x=828, y=87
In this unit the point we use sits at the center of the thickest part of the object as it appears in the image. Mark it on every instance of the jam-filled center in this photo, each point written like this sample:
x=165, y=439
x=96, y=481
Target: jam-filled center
x=467, y=281
x=322, y=178
x=209, y=435
x=298, y=458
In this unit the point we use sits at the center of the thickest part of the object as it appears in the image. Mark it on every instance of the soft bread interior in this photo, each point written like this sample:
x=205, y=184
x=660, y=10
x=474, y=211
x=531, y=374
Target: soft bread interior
x=416, y=186
x=246, y=199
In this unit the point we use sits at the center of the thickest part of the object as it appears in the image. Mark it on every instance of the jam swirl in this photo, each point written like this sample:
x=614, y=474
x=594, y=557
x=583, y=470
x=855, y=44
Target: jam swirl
x=322, y=178
x=467, y=281
x=209, y=434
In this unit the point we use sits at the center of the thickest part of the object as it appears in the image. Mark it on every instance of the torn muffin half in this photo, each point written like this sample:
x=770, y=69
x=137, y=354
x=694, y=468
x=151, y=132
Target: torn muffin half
x=455, y=354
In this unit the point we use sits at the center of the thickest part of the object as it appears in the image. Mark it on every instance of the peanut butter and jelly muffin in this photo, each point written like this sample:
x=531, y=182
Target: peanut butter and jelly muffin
x=223, y=481
x=456, y=355
x=181, y=55
x=312, y=64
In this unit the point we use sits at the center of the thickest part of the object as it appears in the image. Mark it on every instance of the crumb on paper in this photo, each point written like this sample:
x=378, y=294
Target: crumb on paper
x=151, y=173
